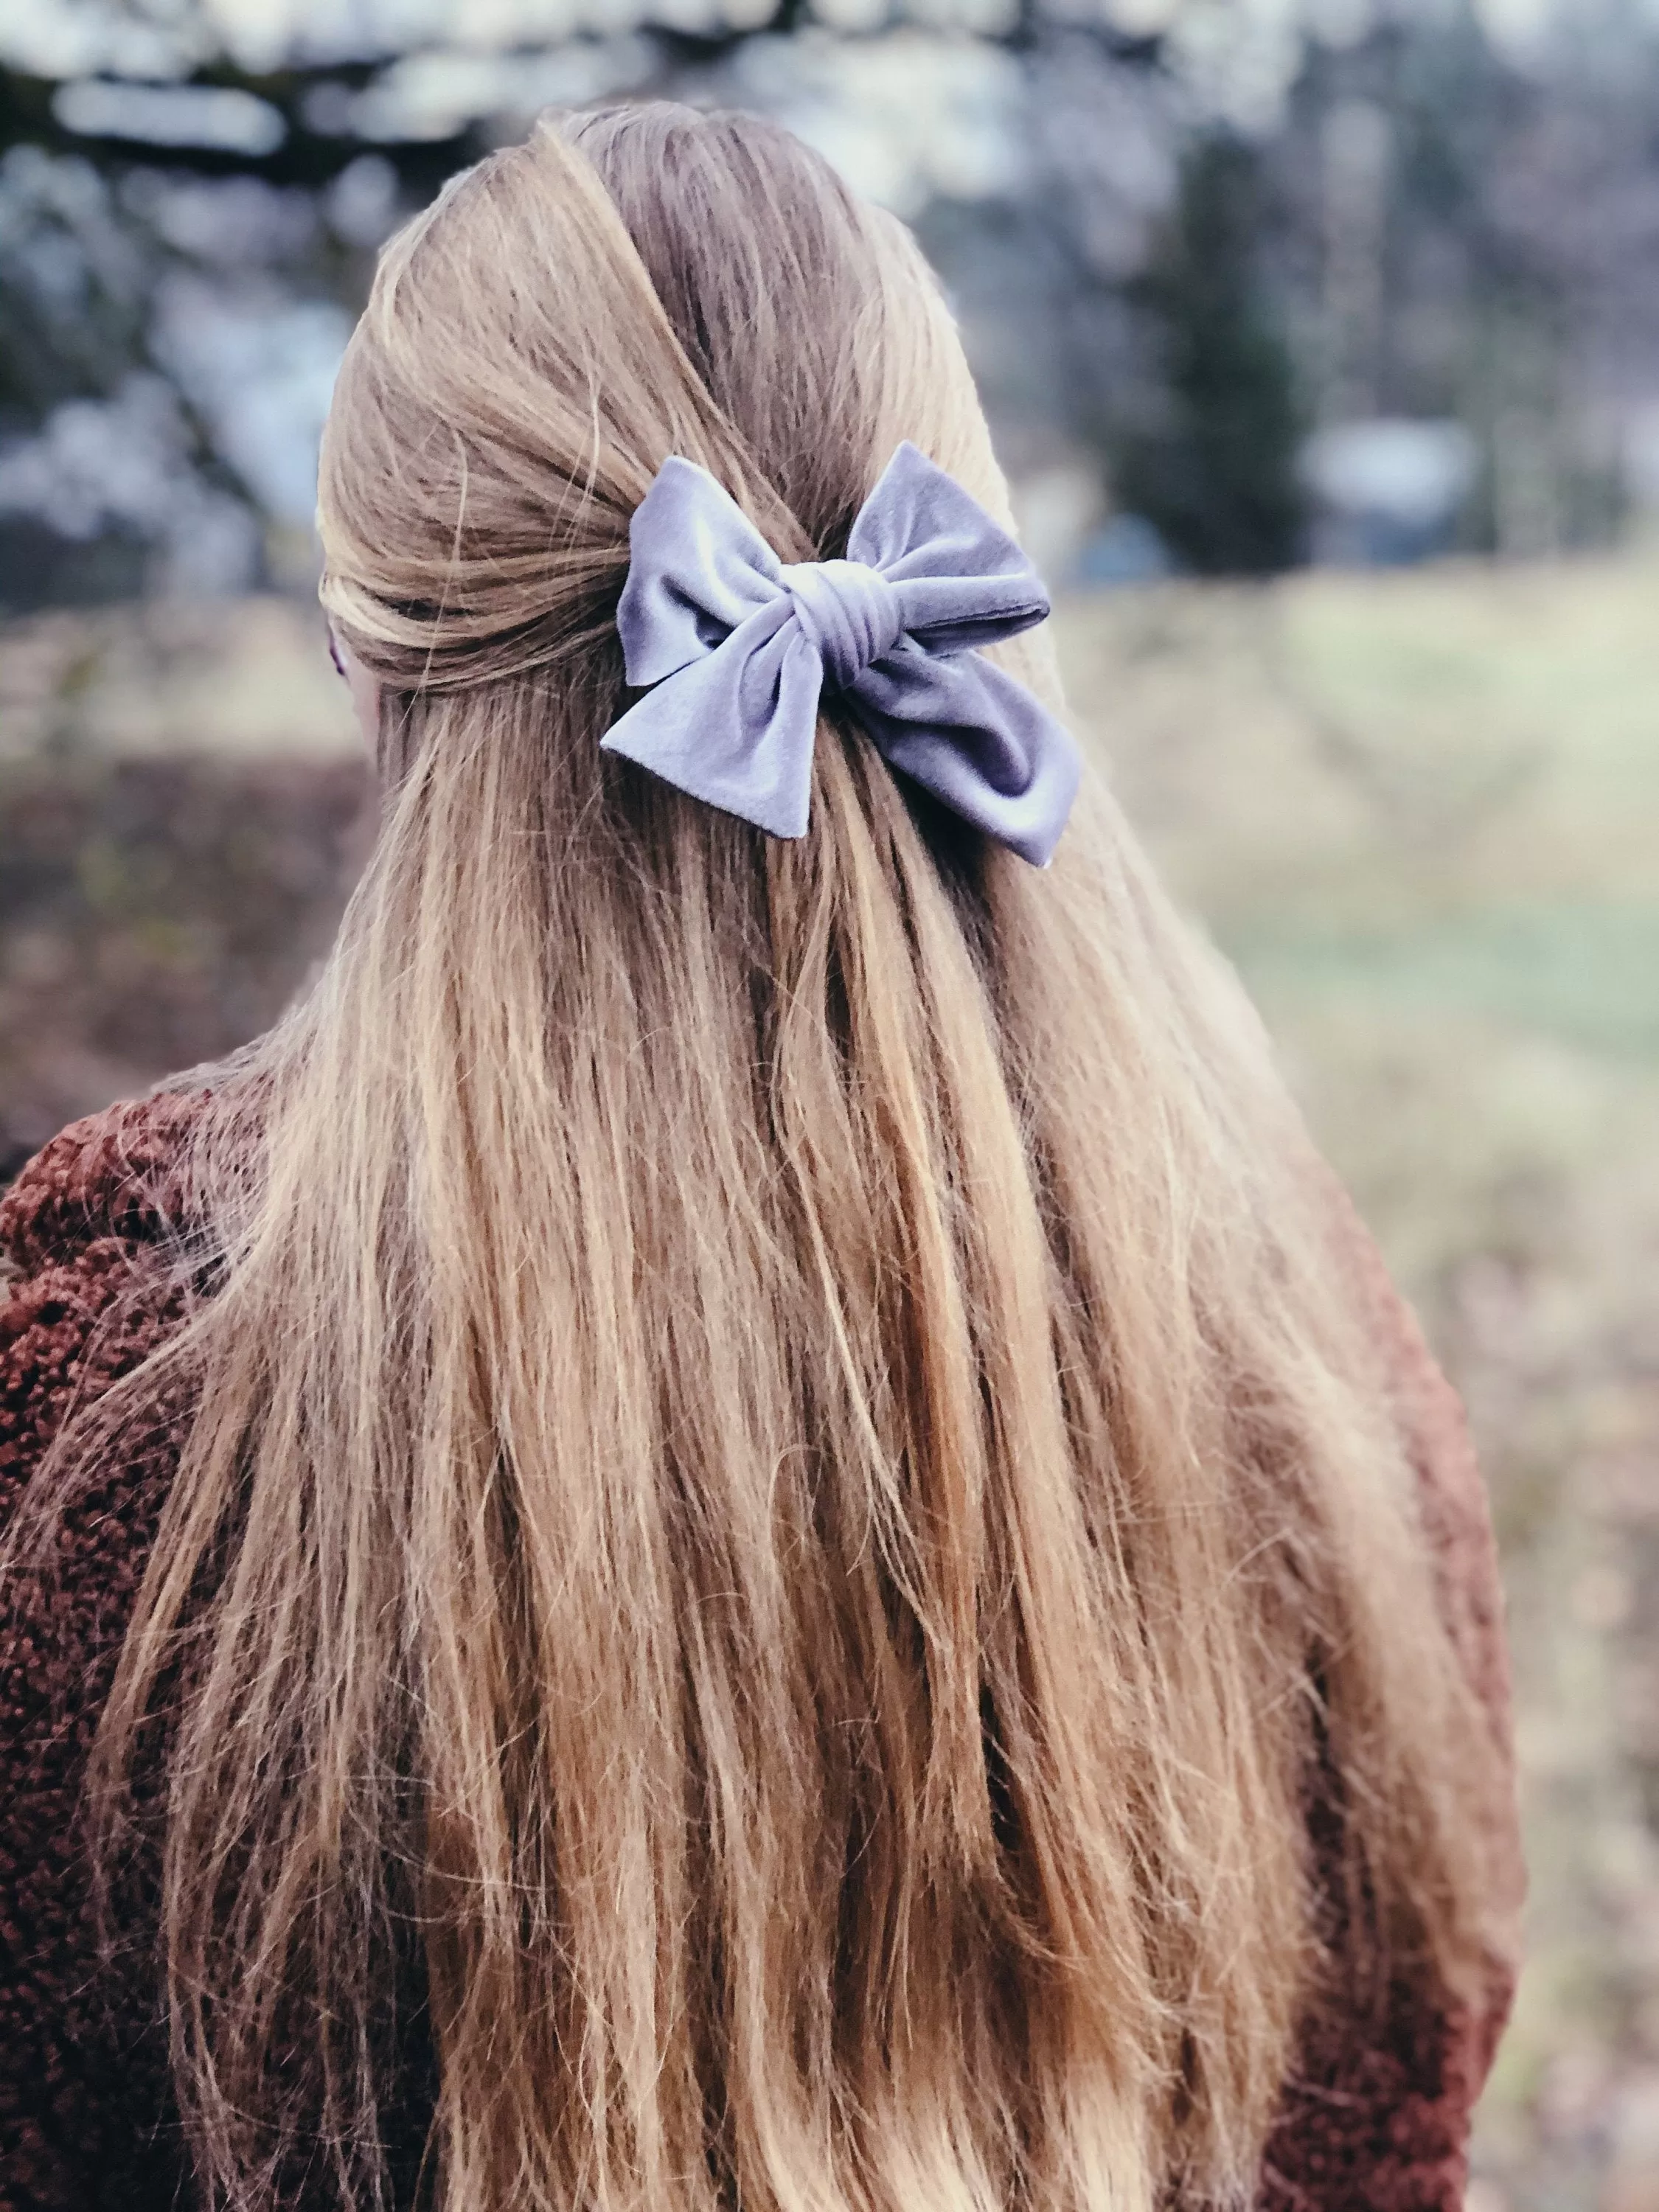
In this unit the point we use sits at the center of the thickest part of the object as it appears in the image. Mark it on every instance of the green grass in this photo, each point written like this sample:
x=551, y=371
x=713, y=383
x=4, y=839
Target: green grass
x=1577, y=970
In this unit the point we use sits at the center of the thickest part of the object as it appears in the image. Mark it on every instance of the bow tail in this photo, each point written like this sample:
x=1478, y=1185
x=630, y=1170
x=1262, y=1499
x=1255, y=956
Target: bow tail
x=978, y=740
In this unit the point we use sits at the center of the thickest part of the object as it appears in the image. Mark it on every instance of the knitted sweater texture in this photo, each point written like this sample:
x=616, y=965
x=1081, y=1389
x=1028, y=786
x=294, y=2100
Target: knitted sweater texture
x=1376, y=2118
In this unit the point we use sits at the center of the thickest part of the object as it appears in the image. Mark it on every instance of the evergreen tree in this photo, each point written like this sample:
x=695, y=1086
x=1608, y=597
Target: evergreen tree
x=1214, y=466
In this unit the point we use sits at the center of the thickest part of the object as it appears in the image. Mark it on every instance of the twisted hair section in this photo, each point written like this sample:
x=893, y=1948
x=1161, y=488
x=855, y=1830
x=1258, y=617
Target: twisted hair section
x=785, y=1507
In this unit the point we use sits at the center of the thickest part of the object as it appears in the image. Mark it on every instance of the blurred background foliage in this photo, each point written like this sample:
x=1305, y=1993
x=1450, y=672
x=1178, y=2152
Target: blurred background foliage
x=1321, y=340
x=1244, y=280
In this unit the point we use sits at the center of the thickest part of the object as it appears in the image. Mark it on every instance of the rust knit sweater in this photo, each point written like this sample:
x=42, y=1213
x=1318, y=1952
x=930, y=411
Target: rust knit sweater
x=1375, y=2120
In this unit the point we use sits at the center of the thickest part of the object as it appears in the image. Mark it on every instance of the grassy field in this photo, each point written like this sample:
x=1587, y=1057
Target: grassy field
x=1420, y=812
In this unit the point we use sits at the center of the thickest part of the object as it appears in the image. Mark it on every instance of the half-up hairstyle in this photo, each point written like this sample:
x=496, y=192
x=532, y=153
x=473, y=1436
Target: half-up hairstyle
x=787, y=1504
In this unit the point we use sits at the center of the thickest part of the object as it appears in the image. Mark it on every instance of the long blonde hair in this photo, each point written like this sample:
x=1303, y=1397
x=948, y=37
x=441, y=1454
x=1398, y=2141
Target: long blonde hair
x=785, y=1504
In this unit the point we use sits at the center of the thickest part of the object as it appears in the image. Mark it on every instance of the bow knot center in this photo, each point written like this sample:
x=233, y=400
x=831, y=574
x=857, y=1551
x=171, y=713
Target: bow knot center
x=849, y=610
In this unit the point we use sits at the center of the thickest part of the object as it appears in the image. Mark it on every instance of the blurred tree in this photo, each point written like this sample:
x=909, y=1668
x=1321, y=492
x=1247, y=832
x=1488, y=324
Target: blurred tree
x=1214, y=468
x=210, y=217
x=1471, y=233
x=1441, y=230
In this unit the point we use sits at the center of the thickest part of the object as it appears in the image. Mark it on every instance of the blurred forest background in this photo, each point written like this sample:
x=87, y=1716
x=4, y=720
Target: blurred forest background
x=1320, y=340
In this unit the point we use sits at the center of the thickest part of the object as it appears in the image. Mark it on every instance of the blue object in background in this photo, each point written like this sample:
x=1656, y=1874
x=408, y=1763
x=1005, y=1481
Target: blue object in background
x=1126, y=549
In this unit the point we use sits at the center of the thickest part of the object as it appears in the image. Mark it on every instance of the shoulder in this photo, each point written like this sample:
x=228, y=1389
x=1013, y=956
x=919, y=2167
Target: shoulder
x=1378, y=2112
x=114, y=1175
x=1451, y=1493
x=87, y=1290
x=87, y=1293
x=84, y=1233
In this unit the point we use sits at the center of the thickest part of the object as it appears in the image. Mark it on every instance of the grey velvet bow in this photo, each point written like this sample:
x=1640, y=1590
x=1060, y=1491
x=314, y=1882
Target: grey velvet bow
x=737, y=647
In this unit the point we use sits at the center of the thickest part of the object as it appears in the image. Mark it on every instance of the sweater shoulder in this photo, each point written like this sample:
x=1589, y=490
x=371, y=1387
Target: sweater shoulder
x=118, y=1174
x=87, y=1290
x=83, y=2076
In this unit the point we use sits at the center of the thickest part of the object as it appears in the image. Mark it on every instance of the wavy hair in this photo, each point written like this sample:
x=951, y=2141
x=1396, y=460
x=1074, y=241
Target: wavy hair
x=787, y=1503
